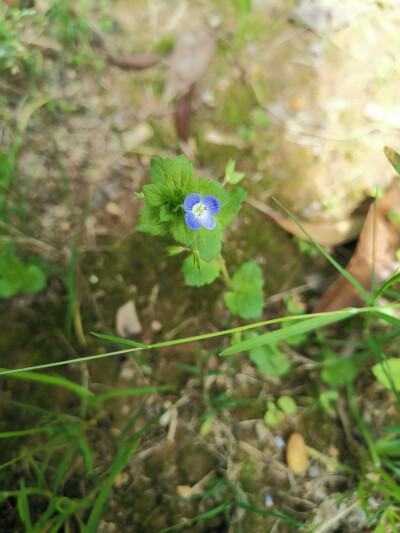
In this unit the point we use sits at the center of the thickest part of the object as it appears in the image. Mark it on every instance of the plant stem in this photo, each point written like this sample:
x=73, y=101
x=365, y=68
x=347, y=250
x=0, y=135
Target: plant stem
x=224, y=271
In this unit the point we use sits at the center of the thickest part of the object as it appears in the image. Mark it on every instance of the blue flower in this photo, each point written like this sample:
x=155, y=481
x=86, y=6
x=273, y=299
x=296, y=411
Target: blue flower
x=200, y=211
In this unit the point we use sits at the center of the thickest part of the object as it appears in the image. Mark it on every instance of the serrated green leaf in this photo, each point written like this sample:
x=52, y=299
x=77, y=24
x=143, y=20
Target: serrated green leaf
x=213, y=187
x=393, y=368
x=179, y=175
x=154, y=195
x=209, y=243
x=149, y=223
x=246, y=298
x=196, y=277
x=248, y=274
x=225, y=217
x=182, y=233
x=165, y=215
x=157, y=174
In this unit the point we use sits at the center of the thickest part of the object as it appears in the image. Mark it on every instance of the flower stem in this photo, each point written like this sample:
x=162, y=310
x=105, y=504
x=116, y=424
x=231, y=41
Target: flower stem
x=224, y=271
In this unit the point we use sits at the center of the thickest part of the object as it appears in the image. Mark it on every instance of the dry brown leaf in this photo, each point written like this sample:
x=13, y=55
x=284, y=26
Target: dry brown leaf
x=183, y=114
x=296, y=454
x=375, y=255
x=326, y=233
x=135, y=62
x=192, y=54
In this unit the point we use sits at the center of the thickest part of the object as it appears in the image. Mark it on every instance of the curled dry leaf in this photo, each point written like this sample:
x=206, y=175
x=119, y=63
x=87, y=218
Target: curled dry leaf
x=192, y=54
x=183, y=114
x=296, y=454
x=374, y=256
x=326, y=233
x=135, y=62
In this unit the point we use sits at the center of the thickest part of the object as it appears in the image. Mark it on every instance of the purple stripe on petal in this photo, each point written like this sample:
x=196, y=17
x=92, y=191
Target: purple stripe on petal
x=212, y=203
x=191, y=200
x=208, y=221
x=192, y=221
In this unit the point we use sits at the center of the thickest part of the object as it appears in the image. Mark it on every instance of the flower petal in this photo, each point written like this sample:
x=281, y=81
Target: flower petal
x=208, y=220
x=190, y=201
x=192, y=221
x=212, y=203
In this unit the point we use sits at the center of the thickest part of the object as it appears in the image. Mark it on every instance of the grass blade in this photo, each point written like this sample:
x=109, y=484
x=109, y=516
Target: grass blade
x=203, y=516
x=84, y=394
x=344, y=272
x=307, y=324
x=132, y=392
x=118, y=340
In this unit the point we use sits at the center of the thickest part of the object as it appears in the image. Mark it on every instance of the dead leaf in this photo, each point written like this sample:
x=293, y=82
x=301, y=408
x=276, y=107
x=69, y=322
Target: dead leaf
x=324, y=16
x=191, y=56
x=375, y=255
x=127, y=320
x=135, y=62
x=183, y=114
x=296, y=454
x=327, y=233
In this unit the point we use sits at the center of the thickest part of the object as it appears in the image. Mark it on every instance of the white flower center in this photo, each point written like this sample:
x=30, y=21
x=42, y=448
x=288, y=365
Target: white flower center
x=199, y=209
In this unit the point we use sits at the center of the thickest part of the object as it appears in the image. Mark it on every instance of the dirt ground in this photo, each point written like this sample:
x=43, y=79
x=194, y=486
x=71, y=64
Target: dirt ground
x=87, y=143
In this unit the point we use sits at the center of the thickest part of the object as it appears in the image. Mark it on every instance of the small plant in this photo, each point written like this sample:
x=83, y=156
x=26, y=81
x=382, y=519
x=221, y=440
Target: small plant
x=196, y=213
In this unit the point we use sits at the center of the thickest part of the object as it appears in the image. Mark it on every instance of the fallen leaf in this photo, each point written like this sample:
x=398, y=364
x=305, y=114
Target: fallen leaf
x=191, y=56
x=324, y=16
x=183, y=114
x=127, y=320
x=135, y=62
x=374, y=256
x=296, y=454
x=326, y=233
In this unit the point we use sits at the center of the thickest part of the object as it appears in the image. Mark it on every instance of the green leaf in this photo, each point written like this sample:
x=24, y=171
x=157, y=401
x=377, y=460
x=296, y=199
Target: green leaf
x=307, y=324
x=287, y=405
x=246, y=298
x=337, y=371
x=149, y=223
x=175, y=250
x=209, y=242
x=16, y=277
x=157, y=173
x=57, y=381
x=23, y=507
x=231, y=176
x=35, y=280
x=118, y=340
x=393, y=157
x=393, y=368
x=182, y=233
x=196, y=277
x=213, y=187
x=270, y=361
x=225, y=217
x=154, y=195
x=273, y=417
x=179, y=175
